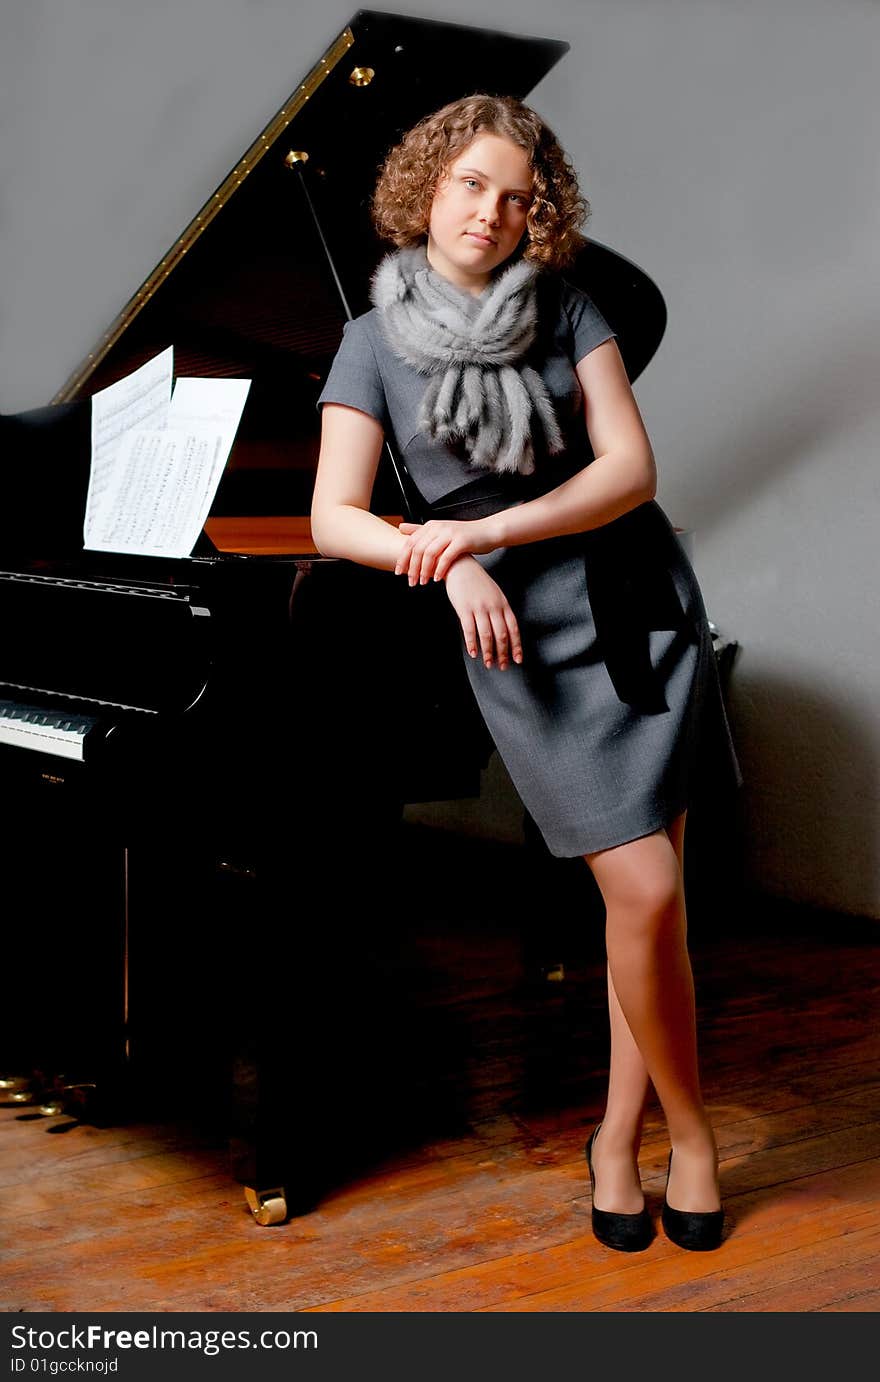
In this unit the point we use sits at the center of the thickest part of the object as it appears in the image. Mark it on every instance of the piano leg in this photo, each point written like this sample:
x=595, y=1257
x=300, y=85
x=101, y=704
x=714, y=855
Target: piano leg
x=298, y=1004
x=275, y=1053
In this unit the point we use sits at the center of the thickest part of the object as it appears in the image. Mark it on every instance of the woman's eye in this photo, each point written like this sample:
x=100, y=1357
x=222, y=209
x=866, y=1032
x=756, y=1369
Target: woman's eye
x=514, y=196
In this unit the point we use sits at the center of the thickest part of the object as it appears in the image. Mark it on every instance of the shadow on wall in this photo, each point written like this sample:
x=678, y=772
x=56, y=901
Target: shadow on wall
x=804, y=765
x=816, y=401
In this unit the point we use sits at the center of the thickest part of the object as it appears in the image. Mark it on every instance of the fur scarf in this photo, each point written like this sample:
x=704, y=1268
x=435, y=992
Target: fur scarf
x=471, y=348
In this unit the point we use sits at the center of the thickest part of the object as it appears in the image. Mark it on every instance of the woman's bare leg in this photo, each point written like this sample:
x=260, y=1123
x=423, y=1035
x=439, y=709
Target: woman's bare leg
x=653, y=1027
x=628, y=1084
x=615, y=1151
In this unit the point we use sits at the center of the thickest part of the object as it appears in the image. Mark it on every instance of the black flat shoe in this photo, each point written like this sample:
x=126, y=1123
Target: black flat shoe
x=625, y=1232
x=697, y=1232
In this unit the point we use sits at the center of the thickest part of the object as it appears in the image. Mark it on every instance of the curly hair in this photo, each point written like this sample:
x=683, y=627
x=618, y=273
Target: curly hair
x=401, y=203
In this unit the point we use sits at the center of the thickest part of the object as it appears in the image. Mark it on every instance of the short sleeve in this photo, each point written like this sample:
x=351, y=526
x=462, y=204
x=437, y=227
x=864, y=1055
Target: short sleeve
x=354, y=376
x=588, y=327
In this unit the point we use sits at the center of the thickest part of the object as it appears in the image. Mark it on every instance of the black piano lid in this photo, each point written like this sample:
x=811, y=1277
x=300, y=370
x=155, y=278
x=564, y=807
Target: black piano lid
x=247, y=289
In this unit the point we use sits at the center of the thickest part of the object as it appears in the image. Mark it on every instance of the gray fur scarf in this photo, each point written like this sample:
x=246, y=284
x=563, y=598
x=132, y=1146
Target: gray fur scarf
x=470, y=347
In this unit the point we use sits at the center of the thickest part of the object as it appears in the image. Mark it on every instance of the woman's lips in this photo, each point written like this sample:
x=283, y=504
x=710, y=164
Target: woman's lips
x=480, y=239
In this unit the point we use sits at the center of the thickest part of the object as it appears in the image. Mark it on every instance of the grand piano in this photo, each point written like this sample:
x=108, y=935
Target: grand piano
x=256, y=707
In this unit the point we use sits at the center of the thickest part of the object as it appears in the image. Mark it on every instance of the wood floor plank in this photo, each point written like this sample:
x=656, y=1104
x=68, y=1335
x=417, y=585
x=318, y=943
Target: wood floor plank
x=833, y=1288
x=865, y=1302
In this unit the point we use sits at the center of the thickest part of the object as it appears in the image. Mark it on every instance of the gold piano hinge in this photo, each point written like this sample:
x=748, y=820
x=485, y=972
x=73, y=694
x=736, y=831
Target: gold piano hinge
x=263, y=142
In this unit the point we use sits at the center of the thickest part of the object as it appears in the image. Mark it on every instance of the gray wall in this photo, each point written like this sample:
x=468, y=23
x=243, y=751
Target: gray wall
x=729, y=148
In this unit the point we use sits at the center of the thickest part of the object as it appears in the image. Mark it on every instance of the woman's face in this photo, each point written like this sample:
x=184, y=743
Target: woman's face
x=478, y=215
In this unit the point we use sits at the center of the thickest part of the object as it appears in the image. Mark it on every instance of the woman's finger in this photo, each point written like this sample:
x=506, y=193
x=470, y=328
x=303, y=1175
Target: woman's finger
x=414, y=564
x=499, y=630
x=403, y=557
x=515, y=638
x=487, y=636
x=430, y=553
x=457, y=548
x=469, y=632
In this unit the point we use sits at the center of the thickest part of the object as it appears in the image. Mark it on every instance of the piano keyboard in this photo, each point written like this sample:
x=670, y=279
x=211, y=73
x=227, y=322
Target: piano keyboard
x=34, y=727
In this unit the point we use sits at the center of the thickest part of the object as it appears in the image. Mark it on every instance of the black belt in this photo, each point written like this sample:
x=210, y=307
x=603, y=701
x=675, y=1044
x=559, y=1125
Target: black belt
x=631, y=590
x=629, y=580
x=487, y=494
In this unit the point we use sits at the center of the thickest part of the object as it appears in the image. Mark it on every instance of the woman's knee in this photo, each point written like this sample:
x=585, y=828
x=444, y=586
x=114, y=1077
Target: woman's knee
x=641, y=878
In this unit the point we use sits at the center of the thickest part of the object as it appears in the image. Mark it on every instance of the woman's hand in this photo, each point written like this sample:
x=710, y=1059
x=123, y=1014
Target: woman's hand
x=485, y=615
x=432, y=547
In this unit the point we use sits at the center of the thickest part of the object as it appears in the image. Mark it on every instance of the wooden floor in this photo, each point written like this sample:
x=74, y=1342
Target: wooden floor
x=466, y=1190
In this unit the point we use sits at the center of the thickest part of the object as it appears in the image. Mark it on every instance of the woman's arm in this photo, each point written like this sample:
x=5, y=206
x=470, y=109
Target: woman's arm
x=342, y=526
x=622, y=476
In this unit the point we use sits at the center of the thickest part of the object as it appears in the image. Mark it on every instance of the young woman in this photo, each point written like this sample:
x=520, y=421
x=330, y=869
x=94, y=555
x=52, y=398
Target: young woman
x=583, y=627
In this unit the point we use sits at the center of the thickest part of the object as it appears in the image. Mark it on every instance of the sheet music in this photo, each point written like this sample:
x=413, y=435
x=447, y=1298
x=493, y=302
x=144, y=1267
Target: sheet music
x=154, y=479
x=141, y=399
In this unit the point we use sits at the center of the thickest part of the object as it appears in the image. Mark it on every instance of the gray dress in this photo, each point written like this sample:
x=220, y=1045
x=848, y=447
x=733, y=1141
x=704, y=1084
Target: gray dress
x=617, y=699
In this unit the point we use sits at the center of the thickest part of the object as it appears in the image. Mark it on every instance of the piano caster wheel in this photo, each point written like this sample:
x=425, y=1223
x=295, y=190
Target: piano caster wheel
x=15, y=1089
x=70, y=1099
x=55, y=1108
x=267, y=1206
